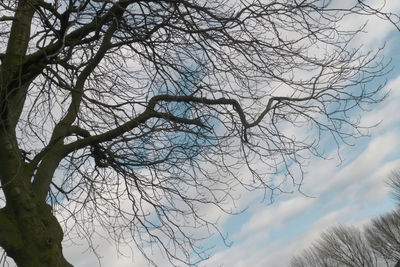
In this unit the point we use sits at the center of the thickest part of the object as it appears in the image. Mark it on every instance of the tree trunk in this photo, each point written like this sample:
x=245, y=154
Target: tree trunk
x=30, y=234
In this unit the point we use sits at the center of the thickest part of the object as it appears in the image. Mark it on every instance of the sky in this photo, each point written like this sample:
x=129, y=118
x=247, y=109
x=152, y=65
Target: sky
x=349, y=192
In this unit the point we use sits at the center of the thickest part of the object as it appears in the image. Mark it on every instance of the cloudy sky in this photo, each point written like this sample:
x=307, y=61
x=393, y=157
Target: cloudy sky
x=349, y=191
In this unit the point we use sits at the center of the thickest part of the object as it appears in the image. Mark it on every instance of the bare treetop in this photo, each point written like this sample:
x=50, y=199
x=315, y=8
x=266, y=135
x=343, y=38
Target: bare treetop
x=137, y=115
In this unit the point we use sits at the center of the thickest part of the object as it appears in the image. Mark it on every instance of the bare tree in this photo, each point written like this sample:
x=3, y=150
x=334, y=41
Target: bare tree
x=133, y=116
x=311, y=258
x=384, y=235
x=377, y=245
x=342, y=246
x=394, y=184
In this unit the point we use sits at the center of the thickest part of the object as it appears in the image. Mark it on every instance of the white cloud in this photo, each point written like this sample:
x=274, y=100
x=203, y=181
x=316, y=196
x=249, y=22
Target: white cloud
x=386, y=113
x=356, y=186
x=360, y=180
x=376, y=30
x=279, y=253
x=275, y=215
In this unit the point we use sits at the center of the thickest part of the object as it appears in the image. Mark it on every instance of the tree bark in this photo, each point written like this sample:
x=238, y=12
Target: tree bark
x=30, y=234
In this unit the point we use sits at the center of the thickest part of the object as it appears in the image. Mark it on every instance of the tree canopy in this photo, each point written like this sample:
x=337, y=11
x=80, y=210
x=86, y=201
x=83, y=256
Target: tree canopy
x=134, y=116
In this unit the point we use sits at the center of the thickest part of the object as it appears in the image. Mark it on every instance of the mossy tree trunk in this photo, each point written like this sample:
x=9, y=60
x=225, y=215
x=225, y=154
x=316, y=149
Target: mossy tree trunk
x=31, y=235
x=29, y=232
